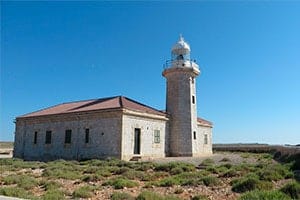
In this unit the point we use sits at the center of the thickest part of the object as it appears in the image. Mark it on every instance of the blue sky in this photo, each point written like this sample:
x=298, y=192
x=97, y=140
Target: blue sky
x=248, y=52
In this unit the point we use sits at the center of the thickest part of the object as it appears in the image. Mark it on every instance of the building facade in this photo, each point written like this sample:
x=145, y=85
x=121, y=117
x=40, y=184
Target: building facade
x=121, y=127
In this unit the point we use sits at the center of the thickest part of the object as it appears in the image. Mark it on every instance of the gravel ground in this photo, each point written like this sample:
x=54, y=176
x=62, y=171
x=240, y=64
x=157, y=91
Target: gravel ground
x=216, y=157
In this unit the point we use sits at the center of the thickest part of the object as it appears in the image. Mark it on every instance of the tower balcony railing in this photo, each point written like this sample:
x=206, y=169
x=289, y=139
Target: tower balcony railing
x=180, y=63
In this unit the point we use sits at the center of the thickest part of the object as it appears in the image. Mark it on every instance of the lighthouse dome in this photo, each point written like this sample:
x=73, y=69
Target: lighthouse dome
x=181, y=47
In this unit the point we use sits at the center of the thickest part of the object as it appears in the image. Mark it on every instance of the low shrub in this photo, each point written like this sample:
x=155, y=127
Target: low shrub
x=53, y=195
x=229, y=173
x=175, y=167
x=24, y=181
x=83, y=192
x=121, y=196
x=91, y=178
x=50, y=185
x=210, y=180
x=247, y=184
x=207, y=162
x=264, y=195
x=274, y=172
x=120, y=183
x=134, y=175
x=15, y=192
x=148, y=195
x=169, y=181
x=292, y=189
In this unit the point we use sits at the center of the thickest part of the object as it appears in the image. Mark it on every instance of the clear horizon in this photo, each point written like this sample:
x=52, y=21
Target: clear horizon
x=248, y=52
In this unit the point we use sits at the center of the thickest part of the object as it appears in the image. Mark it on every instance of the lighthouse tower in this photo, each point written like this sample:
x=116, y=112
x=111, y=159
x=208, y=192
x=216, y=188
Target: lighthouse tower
x=181, y=73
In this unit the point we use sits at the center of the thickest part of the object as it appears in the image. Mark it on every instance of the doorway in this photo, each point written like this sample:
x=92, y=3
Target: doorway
x=137, y=141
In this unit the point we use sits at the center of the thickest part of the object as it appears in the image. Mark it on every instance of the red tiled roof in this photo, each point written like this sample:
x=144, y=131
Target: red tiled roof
x=95, y=104
x=204, y=122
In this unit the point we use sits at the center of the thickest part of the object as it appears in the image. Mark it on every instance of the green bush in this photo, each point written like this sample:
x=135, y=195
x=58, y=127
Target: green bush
x=50, y=185
x=274, y=172
x=53, y=195
x=229, y=173
x=91, y=178
x=248, y=184
x=292, y=189
x=169, y=181
x=264, y=195
x=148, y=195
x=175, y=167
x=121, y=196
x=207, y=162
x=23, y=181
x=15, y=192
x=134, y=175
x=210, y=181
x=120, y=183
x=83, y=192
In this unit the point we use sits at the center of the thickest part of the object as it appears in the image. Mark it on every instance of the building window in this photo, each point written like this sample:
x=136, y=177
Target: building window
x=193, y=99
x=156, y=136
x=87, y=135
x=205, y=139
x=194, y=133
x=48, y=137
x=68, y=136
x=193, y=80
x=35, y=137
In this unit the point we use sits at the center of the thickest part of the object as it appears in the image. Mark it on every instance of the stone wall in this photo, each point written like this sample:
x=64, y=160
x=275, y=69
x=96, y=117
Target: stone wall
x=199, y=147
x=104, y=136
x=147, y=124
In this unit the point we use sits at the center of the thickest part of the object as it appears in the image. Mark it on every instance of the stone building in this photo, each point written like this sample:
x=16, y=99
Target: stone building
x=119, y=126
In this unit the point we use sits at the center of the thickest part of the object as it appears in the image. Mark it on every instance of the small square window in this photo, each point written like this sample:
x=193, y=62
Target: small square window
x=68, y=135
x=156, y=136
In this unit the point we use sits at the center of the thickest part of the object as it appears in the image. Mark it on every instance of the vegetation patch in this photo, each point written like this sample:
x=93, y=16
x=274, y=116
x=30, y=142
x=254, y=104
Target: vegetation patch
x=83, y=192
x=121, y=196
x=148, y=195
x=53, y=194
x=264, y=195
x=15, y=192
x=120, y=183
x=249, y=183
x=23, y=181
x=292, y=189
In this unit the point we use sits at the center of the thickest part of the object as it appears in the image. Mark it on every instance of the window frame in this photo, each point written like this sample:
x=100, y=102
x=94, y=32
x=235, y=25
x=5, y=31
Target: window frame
x=205, y=139
x=48, y=137
x=35, y=137
x=68, y=136
x=87, y=136
x=157, y=136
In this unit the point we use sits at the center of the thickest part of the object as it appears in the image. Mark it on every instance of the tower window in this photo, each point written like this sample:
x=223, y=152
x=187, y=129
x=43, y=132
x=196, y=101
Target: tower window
x=205, y=139
x=48, y=137
x=195, y=136
x=35, y=137
x=68, y=135
x=87, y=135
x=156, y=136
x=193, y=99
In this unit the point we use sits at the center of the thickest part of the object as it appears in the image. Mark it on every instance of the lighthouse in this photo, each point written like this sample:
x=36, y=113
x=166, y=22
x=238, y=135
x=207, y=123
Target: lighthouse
x=181, y=102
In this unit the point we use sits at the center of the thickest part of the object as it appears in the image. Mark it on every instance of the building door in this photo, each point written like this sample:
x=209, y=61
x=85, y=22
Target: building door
x=137, y=141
